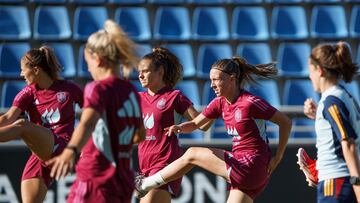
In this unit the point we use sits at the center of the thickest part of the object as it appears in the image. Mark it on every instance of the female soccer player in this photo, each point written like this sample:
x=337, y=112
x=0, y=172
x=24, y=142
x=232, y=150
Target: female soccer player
x=248, y=166
x=337, y=125
x=111, y=117
x=162, y=106
x=49, y=102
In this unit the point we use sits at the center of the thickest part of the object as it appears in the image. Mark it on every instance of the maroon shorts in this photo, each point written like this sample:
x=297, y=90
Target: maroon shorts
x=88, y=192
x=35, y=167
x=172, y=187
x=247, y=172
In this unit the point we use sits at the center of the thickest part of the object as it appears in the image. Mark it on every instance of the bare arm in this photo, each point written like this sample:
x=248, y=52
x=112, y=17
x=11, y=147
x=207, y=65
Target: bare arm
x=191, y=113
x=189, y=126
x=352, y=161
x=139, y=135
x=10, y=116
x=284, y=124
x=63, y=163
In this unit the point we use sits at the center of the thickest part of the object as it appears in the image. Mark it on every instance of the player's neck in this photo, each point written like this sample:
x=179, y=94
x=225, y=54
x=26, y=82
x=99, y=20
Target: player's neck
x=45, y=83
x=153, y=90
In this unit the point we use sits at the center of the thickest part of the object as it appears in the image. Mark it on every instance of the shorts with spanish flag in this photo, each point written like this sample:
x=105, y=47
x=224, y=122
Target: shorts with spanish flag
x=337, y=190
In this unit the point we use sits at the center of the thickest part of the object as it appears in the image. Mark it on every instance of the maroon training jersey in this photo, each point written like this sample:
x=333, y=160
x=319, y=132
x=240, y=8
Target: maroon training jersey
x=162, y=110
x=53, y=108
x=105, y=159
x=244, y=121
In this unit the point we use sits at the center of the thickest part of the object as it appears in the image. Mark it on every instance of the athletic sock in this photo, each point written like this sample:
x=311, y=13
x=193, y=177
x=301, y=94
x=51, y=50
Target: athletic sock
x=153, y=181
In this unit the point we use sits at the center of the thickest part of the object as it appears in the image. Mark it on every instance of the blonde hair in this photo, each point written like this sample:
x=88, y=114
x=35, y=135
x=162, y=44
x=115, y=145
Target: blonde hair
x=113, y=45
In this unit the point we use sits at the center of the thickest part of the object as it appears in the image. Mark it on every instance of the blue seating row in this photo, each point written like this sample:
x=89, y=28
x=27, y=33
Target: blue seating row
x=294, y=92
x=291, y=58
x=201, y=2
x=173, y=23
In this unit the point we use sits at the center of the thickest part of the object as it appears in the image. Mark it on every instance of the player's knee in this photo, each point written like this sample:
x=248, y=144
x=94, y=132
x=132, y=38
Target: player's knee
x=21, y=124
x=190, y=155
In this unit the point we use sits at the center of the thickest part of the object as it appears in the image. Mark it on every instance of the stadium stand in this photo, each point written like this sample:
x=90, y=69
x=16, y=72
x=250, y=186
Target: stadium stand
x=14, y=23
x=10, y=56
x=210, y=23
x=292, y=59
x=255, y=53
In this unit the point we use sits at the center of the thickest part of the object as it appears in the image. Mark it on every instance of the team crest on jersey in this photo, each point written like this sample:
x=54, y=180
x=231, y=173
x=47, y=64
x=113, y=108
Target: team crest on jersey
x=161, y=103
x=237, y=115
x=61, y=97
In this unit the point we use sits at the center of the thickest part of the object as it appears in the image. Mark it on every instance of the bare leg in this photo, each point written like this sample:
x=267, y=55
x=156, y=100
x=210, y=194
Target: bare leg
x=33, y=190
x=39, y=139
x=237, y=196
x=157, y=196
x=210, y=159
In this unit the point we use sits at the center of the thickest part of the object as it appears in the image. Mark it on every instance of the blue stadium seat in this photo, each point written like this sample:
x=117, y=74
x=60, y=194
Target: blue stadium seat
x=88, y=20
x=47, y=25
x=208, y=94
x=207, y=2
x=272, y=130
x=353, y=89
x=88, y=1
x=285, y=1
x=10, y=56
x=255, y=53
x=303, y=128
x=65, y=54
x=208, y=54
x=245, y=1
x=166, y=1
x=328, y=22
x=82, y=66
x=126, y=1
x=10, y=88
x=11, y=1
x=358, y=55
x=297, y=91
x=185, y=55
x=323, y=1
x=289, y=22
x=292, y=59
x=268, y=90
x=49, y=1
x=355, y=22
x=195, y=135
x=172, y=23
x=134, y=21
x=249, y=23
x=191, y=90
x=14, y=23
x=210, y=23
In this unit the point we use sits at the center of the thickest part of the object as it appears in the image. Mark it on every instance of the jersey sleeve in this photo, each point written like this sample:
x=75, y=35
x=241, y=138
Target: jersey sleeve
x=338, y=116
x=24, y=99
x=213, y=110
x=93, y=97
x=259, y=108
x=182, y=103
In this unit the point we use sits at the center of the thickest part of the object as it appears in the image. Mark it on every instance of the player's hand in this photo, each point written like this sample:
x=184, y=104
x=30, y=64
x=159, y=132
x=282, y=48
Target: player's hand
x=310, y=108
x=173, y=129
x=62, y=164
